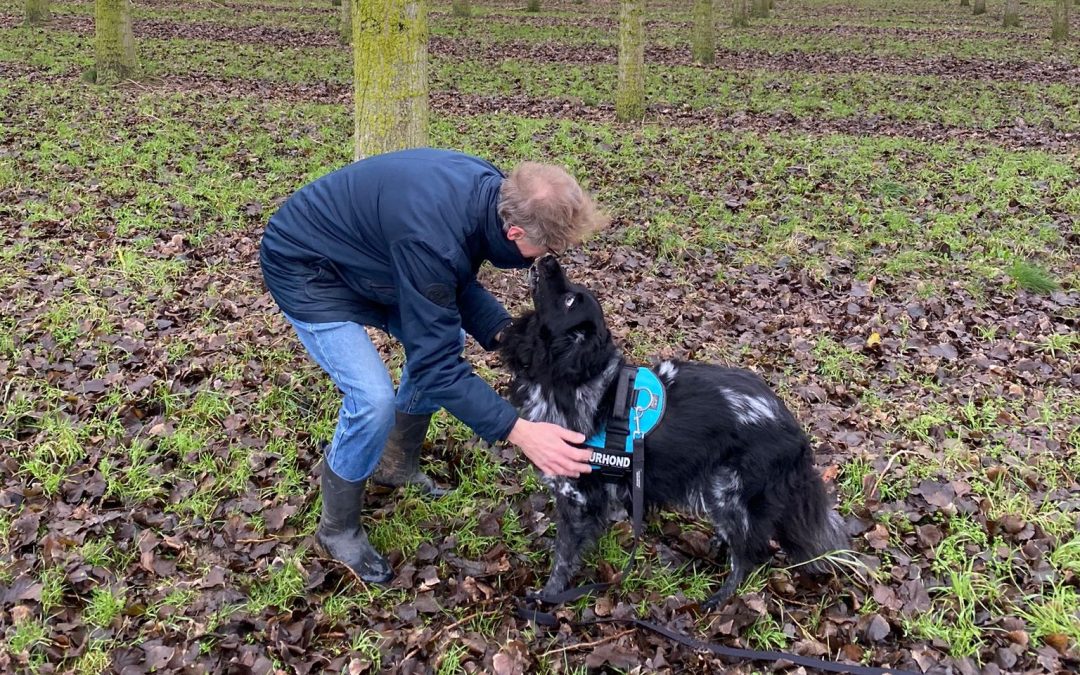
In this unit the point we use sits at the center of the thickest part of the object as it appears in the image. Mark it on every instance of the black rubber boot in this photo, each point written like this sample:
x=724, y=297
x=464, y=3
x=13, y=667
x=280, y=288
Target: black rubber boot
x=400, y=462
x=340, y=533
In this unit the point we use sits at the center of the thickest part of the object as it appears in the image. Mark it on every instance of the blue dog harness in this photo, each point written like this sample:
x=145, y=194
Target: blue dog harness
x=638, y=407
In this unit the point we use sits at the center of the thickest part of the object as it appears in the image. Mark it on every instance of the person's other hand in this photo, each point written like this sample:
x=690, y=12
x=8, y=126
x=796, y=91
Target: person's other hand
x=548, y=447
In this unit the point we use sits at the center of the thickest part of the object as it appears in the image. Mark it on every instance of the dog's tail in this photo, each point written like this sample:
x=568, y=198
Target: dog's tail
x=810, y=529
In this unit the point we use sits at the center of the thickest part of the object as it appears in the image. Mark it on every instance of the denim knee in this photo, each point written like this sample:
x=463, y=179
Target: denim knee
x=364, y=424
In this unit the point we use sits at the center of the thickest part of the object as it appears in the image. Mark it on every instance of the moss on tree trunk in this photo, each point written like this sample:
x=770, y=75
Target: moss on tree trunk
x=759, y=9
x=390, y=74
x=1012, y=14
x=630, y=95
x=114, y=41
x=703, y=45
x=345, y=22
x=979, y=7
x=1059, y=21
x=740, y=13
x=462, y=8
x=37, y=12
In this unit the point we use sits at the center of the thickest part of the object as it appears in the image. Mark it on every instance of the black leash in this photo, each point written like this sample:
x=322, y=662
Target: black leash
x=548, y=619
x=756, y=655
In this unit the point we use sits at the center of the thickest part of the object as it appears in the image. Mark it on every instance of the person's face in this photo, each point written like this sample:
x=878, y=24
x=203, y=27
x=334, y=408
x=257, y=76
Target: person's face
x=528, y=249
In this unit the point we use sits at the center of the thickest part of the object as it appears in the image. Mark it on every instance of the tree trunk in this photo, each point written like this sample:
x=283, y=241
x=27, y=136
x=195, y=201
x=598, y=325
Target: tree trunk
x=114, y=41
x=37, y=12
x=1012, y=14
x=630, y=95
x=1059, y=21
x=462, y=8
x=345, y=22
x=533, y=6
x=980, y=7
x=965, y=3
x=703, y=46
x=759, y=9
x=740, y=14
x=391, y=75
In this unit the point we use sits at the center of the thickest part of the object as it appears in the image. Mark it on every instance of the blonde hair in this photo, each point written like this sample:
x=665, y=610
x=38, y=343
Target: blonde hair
x=546, y=202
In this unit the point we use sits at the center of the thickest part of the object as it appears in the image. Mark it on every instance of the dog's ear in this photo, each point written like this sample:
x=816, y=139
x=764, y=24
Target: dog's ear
x=516, y=344
x=580, y=351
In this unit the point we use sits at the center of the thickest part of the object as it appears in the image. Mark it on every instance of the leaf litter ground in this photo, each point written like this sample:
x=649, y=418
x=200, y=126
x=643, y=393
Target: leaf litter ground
x=160, y=424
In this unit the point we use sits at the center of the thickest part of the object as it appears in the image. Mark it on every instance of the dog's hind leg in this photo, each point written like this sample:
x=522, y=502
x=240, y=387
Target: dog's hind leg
x=747, y=548
x=580, y=519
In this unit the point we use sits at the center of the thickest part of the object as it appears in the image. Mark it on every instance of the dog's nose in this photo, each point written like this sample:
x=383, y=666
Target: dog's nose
x=549, y=263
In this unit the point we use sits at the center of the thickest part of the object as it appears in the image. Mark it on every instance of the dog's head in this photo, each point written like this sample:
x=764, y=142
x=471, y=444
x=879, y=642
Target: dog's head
x=564, y=338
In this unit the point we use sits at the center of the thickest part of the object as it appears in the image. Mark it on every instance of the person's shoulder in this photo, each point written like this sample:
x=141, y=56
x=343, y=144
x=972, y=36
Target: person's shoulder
x=452, y=159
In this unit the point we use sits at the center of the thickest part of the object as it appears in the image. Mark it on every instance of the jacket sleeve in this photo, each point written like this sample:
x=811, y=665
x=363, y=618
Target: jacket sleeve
x=430, y=330
x=481, y=314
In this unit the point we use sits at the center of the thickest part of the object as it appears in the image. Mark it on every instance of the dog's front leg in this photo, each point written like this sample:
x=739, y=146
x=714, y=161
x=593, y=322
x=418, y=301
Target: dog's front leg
x=580, y=519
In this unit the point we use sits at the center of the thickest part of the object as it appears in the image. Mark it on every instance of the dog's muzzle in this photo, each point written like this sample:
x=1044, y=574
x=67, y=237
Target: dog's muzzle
x=534, y=270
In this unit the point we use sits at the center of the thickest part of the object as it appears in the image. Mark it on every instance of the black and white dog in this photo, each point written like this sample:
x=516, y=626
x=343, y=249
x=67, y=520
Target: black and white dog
x=726, y=449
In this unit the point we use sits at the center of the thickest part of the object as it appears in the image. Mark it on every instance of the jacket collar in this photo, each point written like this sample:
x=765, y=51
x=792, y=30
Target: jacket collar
x=488, y=241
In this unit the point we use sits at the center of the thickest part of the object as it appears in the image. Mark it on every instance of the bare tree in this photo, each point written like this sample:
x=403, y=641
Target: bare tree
x=462, y=8
x=37, y=12
x=740, y=13
x=1012, y=14
x=533, y=6
x=114, y=41
x=630, y=95
x=759, y=9
x=703, y=45
x=1059, y=21
x=345, y=22
x=965, y=3
x=980, y=7
x=391, y=75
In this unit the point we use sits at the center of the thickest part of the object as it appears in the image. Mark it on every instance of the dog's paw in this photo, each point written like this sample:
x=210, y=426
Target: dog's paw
x=716, y=601
x=534, y=596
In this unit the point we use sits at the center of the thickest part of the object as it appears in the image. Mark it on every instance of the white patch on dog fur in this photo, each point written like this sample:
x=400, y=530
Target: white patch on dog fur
x=539, y=405
x=750, y=409
x=668, y=370
x=696, y=505
x=725, y=493
x=540, y=408
x=587, y=397
x=564, y=488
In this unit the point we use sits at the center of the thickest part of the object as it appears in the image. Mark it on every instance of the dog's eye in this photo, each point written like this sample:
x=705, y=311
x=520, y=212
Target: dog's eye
x=569, y=300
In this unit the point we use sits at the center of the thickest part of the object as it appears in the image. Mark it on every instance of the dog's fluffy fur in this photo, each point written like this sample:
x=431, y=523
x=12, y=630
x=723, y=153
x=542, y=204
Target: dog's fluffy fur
x=727, y=449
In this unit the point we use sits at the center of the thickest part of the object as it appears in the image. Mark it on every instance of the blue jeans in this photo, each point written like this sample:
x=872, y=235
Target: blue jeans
x=344, y=350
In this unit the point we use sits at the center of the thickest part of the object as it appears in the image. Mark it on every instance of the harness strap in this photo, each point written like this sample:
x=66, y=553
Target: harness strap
x=623, y=391
x=637, y=488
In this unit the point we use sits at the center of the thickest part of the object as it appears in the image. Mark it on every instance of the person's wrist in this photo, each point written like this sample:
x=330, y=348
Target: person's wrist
x=515, y=431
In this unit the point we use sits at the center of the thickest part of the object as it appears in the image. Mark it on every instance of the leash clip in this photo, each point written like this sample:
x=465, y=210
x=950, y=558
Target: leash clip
x=639, y=412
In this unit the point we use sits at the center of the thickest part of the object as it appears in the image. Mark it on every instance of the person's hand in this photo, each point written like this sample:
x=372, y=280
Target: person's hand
x=548, y=447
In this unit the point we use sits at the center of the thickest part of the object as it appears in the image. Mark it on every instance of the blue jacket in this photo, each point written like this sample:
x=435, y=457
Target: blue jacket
x=395, y=241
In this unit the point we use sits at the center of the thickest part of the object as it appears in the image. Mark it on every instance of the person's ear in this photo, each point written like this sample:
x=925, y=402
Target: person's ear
x=514, y=233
